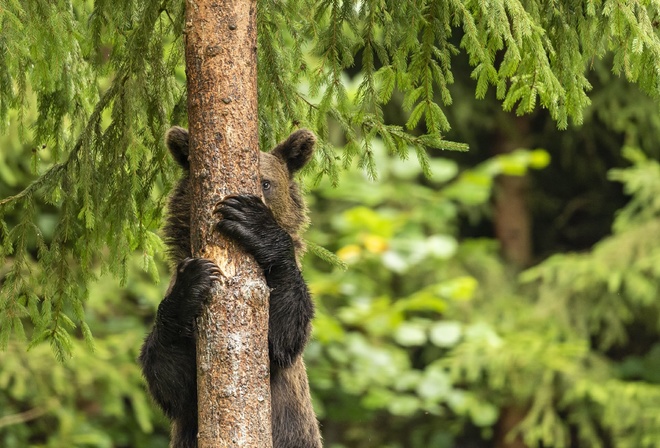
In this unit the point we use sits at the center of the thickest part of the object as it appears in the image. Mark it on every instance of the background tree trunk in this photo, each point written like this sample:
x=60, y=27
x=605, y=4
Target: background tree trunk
x=513, y=229
x=512, y=218
x=232, y=348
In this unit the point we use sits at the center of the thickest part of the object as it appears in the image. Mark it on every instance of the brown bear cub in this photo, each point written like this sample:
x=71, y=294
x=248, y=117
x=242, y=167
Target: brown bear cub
x=271, y=233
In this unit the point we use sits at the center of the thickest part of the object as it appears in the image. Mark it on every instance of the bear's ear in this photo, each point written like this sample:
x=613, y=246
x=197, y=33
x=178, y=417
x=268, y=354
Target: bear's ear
x=296, y=150
x=176, y=140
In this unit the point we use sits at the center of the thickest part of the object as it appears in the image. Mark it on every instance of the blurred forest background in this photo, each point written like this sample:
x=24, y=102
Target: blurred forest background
x=505, y=296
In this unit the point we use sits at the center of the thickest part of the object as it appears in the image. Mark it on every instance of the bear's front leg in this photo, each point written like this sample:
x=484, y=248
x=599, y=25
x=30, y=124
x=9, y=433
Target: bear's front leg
x=168, y=353
x=249, y=222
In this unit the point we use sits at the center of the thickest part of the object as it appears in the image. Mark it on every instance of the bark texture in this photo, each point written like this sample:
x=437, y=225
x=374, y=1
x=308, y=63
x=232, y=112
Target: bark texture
x=232, y=347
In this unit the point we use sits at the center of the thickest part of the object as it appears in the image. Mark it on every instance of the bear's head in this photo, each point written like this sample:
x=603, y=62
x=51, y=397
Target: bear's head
x=280, y=190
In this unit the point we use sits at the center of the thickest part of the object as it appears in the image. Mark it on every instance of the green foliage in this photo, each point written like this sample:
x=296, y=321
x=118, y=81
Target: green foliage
x=102, y=101
x=386, y=326
x=600, y=293
x=103, y=78
x=423, y=328
x=97, y=398
x=567, y=353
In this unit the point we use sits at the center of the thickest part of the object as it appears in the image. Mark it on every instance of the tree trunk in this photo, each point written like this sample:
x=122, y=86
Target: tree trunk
x=232, y=348
x=513, y=223
x=513, y=229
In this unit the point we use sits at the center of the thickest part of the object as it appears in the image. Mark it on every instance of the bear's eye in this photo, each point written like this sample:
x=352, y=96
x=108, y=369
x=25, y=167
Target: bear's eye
x=265, y=185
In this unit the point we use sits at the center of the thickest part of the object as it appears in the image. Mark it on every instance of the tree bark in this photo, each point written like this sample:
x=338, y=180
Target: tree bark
x=232, y=347
x=513, y=229
x=512, y=220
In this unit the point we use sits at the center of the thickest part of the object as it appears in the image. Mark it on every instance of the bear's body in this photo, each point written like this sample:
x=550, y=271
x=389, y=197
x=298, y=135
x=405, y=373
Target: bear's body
x=271, y=233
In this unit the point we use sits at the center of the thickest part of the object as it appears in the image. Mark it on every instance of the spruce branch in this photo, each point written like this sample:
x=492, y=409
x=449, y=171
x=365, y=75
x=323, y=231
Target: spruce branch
x=54, y=173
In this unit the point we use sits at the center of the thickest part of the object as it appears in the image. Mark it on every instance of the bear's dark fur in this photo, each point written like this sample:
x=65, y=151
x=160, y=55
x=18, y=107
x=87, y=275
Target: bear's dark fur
x=271, y=233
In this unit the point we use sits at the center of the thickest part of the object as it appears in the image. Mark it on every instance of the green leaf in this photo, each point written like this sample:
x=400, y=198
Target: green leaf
x=410, y=334
x=483, y=414
x=434, y=386
x=404, y=405
x=445, y=333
